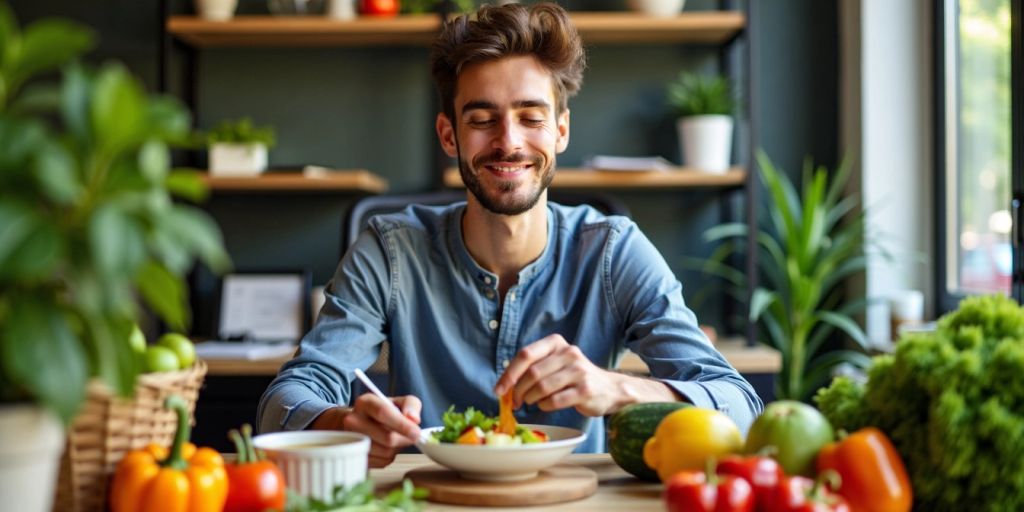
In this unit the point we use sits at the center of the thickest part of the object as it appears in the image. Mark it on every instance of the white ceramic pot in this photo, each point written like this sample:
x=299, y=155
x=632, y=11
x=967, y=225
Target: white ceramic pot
x=216, y=10
x=706, y=142
x=31, y=444
x=314, y=462
x=342, y=9
x=237, y=159
x=657, y=8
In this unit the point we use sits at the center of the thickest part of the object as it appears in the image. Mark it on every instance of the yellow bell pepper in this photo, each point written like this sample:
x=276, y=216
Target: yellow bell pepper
x=182, y=479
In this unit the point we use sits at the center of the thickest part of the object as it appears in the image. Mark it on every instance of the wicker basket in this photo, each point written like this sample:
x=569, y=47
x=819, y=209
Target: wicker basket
x=109, y=426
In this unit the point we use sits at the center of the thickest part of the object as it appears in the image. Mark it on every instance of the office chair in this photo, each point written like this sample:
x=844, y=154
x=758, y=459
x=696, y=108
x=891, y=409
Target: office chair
x=363, y=209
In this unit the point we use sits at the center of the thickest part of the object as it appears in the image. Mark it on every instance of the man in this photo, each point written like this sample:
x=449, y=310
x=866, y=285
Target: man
x=504, y=291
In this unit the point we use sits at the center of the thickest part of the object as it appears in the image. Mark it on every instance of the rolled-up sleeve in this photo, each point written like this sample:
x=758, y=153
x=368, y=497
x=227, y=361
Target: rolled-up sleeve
x=664, y=332
x=347, y=335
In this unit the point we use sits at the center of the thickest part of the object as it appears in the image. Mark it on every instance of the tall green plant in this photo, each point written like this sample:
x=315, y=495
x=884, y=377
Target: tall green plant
x=87, y=221
x=808, y=243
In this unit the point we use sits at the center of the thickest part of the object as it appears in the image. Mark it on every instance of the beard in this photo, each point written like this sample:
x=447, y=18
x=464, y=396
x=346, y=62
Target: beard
x=503, y=201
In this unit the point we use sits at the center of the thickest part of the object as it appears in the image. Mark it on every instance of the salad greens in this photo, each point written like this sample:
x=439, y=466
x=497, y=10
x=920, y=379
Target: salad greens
x=360, y=498
x=455, y=423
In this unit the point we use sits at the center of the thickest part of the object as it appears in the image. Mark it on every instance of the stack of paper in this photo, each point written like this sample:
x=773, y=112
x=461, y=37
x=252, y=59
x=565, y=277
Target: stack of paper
x=627, y=163
x=247, y=350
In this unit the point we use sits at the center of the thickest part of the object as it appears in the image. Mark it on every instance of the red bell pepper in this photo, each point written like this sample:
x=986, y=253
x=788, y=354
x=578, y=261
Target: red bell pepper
x=801, y=494
x=704, y=491
x=762, y=473
x=254, y=484
x=874, y=478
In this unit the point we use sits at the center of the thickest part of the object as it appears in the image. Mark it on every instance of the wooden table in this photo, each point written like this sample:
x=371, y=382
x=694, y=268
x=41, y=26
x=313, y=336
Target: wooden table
x=746, y=360
x=616, y=489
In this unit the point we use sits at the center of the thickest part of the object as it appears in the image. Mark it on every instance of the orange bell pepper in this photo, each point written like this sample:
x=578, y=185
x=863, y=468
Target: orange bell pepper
x=506, y=420
x=874, y=478
x=182, y=479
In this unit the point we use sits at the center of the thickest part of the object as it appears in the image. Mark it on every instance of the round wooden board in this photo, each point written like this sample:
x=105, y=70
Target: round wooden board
x=556, y=484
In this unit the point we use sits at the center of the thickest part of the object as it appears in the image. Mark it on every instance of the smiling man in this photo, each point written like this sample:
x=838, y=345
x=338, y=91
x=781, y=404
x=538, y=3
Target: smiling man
x=505, y=291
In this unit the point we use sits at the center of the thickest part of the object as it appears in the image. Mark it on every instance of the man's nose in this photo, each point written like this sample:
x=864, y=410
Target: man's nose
x=509, y=137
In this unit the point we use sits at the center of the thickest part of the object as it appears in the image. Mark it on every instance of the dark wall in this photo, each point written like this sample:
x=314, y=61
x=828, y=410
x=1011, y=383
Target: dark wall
x=374, y=108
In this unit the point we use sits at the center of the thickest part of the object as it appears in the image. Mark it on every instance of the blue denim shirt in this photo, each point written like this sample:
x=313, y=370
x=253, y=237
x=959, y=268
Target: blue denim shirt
x=410, y=280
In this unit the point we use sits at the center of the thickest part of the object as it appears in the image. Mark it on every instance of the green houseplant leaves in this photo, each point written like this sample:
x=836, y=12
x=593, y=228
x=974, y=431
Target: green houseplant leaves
x=88, y=225
x=696, y=95
x=808, y=242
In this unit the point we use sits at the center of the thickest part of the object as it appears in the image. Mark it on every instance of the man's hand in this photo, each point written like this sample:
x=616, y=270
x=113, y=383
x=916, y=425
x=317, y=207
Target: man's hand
x=389, y=429
x=556, y=375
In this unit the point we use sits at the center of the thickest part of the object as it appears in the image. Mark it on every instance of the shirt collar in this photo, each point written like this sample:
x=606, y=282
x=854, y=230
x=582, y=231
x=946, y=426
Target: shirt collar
x=457, y=245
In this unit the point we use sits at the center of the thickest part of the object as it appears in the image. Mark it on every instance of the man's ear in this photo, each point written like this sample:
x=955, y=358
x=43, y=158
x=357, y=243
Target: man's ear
x=563, y=132
x=446, y=134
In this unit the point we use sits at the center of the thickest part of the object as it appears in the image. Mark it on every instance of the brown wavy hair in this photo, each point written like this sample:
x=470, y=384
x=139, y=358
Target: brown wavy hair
x=542, y=30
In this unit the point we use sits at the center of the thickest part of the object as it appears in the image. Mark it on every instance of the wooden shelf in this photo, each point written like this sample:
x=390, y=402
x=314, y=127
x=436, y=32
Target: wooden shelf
x=588, y=179
x=704, y=27
x=358, y=180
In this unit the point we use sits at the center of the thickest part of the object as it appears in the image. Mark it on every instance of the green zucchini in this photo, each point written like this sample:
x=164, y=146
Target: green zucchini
x=630, y=428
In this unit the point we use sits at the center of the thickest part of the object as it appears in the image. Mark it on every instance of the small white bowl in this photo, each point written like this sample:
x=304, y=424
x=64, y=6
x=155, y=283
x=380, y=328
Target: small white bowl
x=503, y=463
x=315, y=461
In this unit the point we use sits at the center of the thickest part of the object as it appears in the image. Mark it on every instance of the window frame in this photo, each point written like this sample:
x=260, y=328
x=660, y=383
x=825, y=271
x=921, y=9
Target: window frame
x=945, y=60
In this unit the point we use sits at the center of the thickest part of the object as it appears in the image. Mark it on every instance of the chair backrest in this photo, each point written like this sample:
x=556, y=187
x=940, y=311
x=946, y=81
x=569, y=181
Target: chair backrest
x=357, y=217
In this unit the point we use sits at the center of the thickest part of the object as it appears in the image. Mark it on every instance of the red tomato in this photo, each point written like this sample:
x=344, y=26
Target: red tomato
x=379, y=7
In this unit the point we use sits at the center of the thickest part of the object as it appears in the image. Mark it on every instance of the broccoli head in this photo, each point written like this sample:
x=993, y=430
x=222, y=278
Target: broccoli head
x=952, y=401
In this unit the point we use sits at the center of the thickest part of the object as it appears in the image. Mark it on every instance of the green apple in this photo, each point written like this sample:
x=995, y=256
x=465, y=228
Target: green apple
x=181, y=346
x=160, y=359
x=137, y=340
x=796, y=430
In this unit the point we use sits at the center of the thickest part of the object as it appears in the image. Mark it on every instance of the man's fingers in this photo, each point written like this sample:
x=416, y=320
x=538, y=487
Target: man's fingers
x=563, y=399
x=387, y=415
x=410, y=406
x=556, y=380
x=525, y=358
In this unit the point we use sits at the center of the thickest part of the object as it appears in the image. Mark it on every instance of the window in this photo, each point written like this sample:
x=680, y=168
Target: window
x=975, y=149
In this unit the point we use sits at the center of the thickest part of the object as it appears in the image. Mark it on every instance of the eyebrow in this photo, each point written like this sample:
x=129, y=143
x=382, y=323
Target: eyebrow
x=518, y=104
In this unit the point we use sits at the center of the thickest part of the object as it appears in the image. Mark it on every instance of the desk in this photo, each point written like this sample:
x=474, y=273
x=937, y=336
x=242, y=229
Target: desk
x=746, y=359
x=616, y=489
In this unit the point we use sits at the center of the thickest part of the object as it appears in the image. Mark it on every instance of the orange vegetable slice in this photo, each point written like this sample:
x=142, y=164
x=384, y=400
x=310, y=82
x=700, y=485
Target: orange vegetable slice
x=506, y=420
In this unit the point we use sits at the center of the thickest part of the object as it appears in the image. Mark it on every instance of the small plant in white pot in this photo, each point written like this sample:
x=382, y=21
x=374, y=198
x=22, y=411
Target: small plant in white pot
x=216, y=10
x=87, y=228
x=657, y=8
x=238, y=148
x=705, y=108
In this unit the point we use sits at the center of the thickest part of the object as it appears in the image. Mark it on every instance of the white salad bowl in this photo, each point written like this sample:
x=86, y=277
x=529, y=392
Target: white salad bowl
x=503, y=463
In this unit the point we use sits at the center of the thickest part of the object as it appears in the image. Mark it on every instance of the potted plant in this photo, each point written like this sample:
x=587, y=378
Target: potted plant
x=704, y=106
x=238, y=148
x=216, y=10
x=657, y=8
x=87, y=225
x=808, y=243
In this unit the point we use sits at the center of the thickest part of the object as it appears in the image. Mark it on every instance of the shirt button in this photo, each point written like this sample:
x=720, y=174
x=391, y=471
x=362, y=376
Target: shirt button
x=493, y=324
x=489, y=293
x=487, y=279
x=504, y=364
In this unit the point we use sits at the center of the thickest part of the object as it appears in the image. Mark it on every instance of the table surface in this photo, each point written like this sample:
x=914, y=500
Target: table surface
x=616, y=489
x=746, y=359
